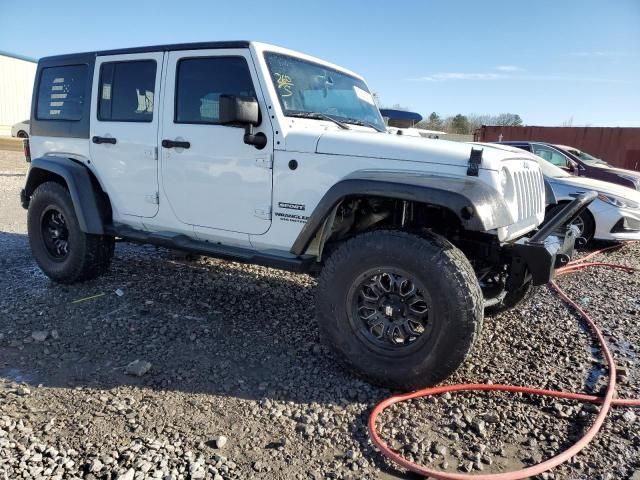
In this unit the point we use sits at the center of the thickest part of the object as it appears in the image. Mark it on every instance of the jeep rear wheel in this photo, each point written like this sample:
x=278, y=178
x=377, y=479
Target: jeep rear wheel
x=63, y=251
x=401, y=310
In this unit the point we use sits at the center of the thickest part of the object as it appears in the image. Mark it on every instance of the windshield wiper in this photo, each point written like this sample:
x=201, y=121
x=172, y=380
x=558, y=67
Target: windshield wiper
x=319, y=116
x=355, y=121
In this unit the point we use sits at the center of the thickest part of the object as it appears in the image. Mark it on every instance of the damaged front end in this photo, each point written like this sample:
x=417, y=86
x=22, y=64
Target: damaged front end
x=551, y=247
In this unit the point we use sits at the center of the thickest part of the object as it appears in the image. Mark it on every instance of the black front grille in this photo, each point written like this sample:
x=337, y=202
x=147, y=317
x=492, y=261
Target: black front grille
x=626, y=225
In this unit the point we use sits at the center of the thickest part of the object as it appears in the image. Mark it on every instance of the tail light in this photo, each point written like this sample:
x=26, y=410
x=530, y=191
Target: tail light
x=27, y=150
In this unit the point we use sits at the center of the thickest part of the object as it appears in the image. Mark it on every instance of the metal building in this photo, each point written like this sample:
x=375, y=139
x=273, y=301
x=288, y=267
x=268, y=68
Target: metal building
x=16, y=84
x=618, y=146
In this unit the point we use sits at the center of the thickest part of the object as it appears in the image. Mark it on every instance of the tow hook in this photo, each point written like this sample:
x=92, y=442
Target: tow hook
x=580, y=242
x=562, y=259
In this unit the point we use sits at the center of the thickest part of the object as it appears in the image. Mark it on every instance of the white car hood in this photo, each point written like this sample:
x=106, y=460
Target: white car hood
x=583, y=184
x=370, y=144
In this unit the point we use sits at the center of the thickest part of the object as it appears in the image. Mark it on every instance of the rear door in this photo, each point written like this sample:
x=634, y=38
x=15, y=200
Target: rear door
x=124, y=130
x=211, y=178
x=551, y=155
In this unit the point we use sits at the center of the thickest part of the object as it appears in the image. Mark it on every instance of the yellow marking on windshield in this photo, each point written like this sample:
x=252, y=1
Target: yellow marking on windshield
x=284, y=84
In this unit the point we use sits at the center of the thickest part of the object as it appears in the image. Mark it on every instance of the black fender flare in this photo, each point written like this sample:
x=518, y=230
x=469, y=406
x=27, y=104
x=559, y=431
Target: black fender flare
x=78, y=180
x=478, y=206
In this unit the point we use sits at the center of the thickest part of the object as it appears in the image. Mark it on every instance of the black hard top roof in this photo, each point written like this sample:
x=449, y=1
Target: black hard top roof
x=154, y=48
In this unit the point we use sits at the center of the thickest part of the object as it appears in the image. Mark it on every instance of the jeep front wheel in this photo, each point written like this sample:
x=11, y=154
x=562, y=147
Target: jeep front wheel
x=401, y=310
x=510, y=300
x=64, y=252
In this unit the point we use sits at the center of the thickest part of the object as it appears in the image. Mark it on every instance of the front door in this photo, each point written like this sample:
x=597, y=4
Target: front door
x=210, y=177
x=124, y=130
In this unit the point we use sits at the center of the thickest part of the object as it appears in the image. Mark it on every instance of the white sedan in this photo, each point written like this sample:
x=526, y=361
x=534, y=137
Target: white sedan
x=20, y=130
x=614, y=215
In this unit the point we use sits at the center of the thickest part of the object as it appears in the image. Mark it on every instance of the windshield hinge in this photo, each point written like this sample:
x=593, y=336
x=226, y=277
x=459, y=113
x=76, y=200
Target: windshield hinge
x=475, y=160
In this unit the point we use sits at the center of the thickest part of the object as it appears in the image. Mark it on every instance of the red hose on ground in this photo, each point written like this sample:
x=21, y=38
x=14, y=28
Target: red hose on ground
x=607, y=401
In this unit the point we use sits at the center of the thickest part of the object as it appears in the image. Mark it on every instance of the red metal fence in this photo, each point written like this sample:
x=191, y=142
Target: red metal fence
x=618, y=146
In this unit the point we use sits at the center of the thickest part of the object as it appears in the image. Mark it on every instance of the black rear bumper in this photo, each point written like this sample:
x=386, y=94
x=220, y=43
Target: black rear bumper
x=549, y=248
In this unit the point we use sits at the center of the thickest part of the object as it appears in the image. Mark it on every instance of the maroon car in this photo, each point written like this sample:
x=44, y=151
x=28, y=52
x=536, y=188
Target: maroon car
x=579, y=163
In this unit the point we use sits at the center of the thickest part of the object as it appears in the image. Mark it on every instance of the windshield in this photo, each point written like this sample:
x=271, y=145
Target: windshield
x=550, y=170
x=307, y=89
x=585, y=157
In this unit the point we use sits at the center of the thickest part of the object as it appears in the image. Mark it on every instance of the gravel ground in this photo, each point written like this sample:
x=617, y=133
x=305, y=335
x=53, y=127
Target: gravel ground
x=231, y=382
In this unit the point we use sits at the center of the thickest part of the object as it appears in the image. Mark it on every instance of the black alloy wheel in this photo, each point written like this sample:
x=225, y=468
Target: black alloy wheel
x=62, y=250
x=390, y=309
x=400, y=309
x=55, y=234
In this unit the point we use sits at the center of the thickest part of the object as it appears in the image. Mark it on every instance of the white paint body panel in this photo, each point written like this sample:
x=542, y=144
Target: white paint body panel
x=604, y=214
x=129, y=169
x=76, y=148
x=315, y=175
x=327, y=155
x=219, y=190
x=395, y=147
x=219, y=182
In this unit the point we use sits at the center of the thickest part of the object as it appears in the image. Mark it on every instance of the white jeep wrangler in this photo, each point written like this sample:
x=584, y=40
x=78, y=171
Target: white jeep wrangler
x=254, y=153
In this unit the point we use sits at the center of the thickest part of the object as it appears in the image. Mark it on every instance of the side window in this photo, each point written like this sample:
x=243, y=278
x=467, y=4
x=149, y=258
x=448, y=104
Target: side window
x=550, y=155
x=126, y=91
x=61, y=93
x=201, y=81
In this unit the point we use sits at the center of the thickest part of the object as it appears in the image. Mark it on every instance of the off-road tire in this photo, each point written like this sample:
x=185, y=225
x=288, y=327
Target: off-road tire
x=511, y=300
x=454, y=319
x=88, y=255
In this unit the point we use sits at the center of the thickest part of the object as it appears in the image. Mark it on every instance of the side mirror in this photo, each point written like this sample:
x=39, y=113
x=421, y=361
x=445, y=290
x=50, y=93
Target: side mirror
x=572, y=166
x=239, y=110
x=243, y=112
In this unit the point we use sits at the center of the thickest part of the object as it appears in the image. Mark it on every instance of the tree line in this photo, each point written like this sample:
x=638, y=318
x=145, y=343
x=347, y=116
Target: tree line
x=467, y=124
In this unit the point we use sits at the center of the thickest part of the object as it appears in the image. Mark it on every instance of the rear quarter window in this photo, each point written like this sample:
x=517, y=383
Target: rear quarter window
x=61, y=93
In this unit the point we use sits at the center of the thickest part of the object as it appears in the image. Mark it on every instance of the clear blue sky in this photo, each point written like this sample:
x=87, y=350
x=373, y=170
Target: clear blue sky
x=547, y=60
